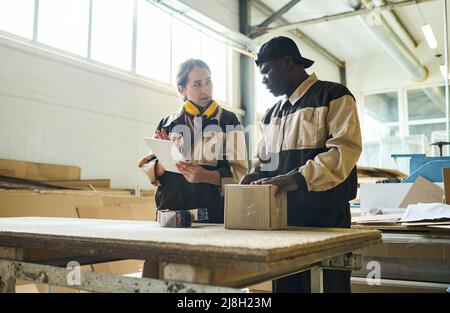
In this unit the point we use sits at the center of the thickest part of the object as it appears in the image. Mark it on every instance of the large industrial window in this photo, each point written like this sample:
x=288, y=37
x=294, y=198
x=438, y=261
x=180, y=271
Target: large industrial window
x=153, y=42
x=426, y=115
x=104, y=31
x=64, y=24
x=214, y=53
x=390, y=126
x=380, y=127
x=112, y=32
x=186, y=43
x=381, y=116
x=17, y=17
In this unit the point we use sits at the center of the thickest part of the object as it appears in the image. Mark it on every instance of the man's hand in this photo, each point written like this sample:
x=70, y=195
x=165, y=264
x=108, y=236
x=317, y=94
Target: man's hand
x=197, y=174
x=247, y=179
x=283, y=182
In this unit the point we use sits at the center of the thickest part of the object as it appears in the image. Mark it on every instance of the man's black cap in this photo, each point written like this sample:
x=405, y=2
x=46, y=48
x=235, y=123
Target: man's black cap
x=278, y=48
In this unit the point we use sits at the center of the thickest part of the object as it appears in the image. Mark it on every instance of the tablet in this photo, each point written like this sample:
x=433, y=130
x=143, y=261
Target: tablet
x=167, y=153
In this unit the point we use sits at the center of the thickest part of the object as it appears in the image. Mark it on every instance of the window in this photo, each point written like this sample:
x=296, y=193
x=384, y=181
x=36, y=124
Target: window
x=431, y=131
x=426, y=103
x=112, y=32
x=426, y=115
x=214, y=53
x=186, y=43
x=153, y=42
x=380, y=129
x=390, y=127
x=17, y=16
x=163, y=41
x=64, y=24
x=381, y=118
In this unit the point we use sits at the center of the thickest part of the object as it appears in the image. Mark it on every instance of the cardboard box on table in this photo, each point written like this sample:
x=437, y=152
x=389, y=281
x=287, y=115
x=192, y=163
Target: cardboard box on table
x=255, y=207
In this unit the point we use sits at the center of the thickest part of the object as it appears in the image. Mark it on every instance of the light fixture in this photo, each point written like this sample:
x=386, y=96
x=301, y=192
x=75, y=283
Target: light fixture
x=443, y=70
x=429, y=36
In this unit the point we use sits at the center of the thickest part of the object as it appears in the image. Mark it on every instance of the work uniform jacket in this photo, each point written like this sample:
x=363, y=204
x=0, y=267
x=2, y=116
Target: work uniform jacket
x=315, y=136
x=215, y=141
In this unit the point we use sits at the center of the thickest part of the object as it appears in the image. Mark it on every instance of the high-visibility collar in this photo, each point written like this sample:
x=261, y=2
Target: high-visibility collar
x=193, y=110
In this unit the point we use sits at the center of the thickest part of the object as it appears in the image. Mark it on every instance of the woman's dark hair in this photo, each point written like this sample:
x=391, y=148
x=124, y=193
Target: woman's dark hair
x=186, y=67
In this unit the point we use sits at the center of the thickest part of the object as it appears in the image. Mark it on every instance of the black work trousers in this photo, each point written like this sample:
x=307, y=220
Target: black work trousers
x=333, y=280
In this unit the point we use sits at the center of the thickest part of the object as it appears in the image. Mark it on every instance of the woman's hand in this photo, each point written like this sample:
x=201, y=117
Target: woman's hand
x=161, y=134
x=197, y=174
x=159, y=169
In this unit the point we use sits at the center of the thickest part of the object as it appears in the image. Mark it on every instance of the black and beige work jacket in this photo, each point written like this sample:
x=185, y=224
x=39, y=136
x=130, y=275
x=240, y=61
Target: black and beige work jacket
x=216, y=142
x=315, y=136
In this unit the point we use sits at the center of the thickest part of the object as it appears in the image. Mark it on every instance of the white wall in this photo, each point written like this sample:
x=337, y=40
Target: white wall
x=57, y=110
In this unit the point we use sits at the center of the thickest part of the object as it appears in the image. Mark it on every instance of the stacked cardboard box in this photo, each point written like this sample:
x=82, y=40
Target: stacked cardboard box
x=104, y=203
x=78, y=204
x=38, y=171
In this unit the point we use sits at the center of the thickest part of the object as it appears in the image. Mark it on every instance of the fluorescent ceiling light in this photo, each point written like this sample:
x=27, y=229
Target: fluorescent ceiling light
x=442, y=68
x=429, y=36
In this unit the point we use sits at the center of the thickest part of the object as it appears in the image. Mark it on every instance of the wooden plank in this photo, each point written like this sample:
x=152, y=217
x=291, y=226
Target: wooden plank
x=446, y=179
x=45, y=204
x=84, y=183
x=121, y=200
x=140, y=212
x=38, y=171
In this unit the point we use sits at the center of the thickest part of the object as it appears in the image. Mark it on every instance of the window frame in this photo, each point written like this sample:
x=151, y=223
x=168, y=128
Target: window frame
x=86, y=61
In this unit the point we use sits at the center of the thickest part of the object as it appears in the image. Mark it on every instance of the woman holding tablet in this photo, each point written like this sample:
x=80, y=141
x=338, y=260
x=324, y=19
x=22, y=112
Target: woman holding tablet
x=210, y=137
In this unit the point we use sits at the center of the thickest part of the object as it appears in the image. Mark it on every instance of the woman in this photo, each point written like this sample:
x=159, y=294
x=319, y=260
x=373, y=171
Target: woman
x=200, y=181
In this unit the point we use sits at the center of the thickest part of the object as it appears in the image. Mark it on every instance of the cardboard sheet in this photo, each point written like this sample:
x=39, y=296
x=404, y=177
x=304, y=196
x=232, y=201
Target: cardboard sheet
x=422, y=191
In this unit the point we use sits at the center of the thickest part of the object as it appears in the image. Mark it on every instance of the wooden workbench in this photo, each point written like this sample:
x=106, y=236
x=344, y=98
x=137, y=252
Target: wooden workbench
x=235, y=258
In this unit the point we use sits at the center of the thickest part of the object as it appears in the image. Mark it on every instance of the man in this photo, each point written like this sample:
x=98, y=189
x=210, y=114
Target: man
x=311, y=143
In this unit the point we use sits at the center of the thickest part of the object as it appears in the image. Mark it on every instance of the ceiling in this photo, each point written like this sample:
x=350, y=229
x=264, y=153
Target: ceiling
x=348, y=38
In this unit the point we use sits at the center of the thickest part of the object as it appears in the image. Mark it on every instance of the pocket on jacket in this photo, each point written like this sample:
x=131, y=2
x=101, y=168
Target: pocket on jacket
x=307, y=128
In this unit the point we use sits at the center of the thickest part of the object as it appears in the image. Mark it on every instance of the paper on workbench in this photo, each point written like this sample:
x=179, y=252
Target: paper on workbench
x=377, y=219
x=441, y=226
x=426, y=211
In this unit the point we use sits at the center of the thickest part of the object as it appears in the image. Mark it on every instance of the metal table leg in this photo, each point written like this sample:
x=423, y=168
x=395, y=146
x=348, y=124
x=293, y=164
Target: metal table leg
x=316, y=280
x=7, y=279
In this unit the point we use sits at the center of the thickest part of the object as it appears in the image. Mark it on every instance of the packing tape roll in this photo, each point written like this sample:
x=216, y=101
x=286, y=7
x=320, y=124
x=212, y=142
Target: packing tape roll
x=181, y=218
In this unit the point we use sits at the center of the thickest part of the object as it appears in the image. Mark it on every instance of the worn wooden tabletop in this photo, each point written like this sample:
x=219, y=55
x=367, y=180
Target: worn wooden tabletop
x=200, y=244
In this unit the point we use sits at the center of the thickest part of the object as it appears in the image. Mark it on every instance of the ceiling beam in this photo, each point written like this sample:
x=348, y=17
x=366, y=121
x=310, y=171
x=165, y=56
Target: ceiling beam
x=334, y=17
x=275, y=15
